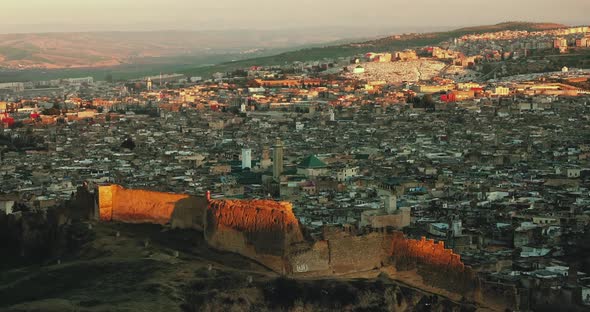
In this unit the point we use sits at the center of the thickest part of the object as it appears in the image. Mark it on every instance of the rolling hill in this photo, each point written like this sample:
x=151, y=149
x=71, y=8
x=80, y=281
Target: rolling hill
x=105, y=49
x=126, y=55
x=395, y=42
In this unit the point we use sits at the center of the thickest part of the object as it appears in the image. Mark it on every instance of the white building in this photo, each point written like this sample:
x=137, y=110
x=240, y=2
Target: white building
x=6, y=206
x=14, y=86
x=246, y=158
x=346, y=173
x=79, y=81
x=358, y=70
x=299, y=126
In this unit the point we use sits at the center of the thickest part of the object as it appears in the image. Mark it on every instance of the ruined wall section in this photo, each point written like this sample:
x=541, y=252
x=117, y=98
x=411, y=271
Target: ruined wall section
x=437, y=265
x=139, y=206
x=268, y=232
x=341, y=253
x=311, y=261
x=259, y=229
x=105, y=202
x=359, y=253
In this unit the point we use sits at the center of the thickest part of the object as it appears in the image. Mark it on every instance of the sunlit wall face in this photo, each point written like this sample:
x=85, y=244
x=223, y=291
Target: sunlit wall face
x=69, y=15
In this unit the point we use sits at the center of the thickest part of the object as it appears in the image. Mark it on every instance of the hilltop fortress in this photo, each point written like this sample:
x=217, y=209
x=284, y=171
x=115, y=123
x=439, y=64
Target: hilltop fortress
x=269, y=233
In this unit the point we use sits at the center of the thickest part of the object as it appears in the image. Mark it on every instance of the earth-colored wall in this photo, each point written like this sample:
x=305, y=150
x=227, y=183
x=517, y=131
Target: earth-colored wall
x=437, y=265
x=269, y=232
x=259, y=229
x=139, y=206
x=398, y=221
x=359, y=253
x=313, y=261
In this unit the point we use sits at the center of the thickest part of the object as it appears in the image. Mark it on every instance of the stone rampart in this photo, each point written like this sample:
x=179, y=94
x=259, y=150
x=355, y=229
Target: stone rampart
x=269, y=232
x=259, y=229
x=437, y=265
x=117, y=203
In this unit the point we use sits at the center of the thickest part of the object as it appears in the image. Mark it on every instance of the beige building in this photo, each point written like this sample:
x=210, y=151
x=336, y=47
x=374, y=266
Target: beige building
x=502, y=91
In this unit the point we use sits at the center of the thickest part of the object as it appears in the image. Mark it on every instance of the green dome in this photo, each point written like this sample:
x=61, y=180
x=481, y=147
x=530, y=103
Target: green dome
x=312, y=162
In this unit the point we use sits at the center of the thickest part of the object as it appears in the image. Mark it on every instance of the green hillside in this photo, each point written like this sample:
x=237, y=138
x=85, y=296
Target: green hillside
x=390, y=43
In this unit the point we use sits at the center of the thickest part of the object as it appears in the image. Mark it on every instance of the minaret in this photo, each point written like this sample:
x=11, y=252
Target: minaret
x=246, y=158
x=277, y=162
x=149, y=84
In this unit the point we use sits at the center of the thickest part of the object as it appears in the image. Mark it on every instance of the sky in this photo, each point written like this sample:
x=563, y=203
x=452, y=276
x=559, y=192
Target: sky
x=139, y=15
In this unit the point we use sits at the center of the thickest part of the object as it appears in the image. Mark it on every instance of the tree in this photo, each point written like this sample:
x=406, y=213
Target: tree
x=109, y=78
x=427, y=100
x=128, y=143
x=52, y=111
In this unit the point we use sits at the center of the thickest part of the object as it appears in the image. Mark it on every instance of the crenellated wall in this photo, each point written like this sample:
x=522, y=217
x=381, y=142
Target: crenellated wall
x=259, y=229
x=437, y=265
x=270, y=233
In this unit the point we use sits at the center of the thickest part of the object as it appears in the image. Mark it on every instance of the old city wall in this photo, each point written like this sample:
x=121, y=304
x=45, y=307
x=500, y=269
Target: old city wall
x=397, y=221
x=359, y=253
x=340, y=255
x=269, y=232
x=259, y=229
x=139, y=206
x=344, y=253
x=437, y=265
x=312, y=261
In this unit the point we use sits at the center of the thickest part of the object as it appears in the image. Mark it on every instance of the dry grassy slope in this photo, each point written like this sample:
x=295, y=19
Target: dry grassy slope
x=100, y=49
x=122, y=274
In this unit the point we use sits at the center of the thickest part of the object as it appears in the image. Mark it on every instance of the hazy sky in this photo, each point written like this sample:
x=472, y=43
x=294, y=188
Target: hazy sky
x=83, y=15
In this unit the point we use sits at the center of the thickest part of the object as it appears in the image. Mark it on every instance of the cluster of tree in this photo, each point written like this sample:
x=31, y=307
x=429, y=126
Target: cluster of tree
x=54, y=111
x=128, y=143
x=24, y=142
x=426, y=102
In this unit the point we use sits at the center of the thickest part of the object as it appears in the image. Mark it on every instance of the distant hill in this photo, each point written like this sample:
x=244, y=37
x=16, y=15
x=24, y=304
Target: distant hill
x=395, y=42
x=126, y=55
x=105, y=49
x=512, y=26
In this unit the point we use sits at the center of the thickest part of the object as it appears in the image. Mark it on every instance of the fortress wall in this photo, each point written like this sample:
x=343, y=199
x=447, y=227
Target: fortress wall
x=269, y=227
x=358, y=253
x=105, y=202
x=190, y=213
x=311, y=262
x=139, y=206
x=262, y=230
x=437, y=266
x=268, y=232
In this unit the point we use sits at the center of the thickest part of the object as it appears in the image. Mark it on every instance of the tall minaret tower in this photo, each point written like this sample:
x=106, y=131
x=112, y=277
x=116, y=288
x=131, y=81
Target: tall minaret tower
x=246, y=158
x=277, y=162
x=149, y=84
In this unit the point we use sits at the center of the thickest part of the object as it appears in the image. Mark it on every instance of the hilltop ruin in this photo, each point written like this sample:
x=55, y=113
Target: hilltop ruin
x=269, y=233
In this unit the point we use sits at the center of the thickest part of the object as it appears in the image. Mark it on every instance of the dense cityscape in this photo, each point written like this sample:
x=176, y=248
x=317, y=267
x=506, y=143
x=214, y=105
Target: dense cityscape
x=480, y=144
